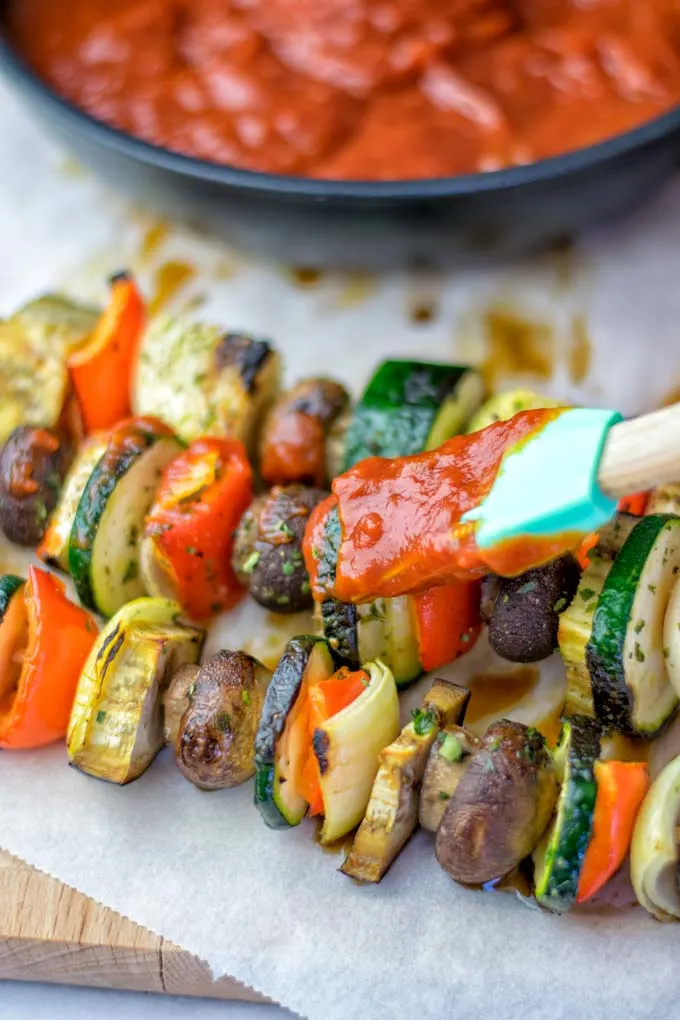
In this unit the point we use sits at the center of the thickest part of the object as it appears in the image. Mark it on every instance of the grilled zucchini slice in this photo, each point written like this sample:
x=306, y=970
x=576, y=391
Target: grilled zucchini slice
x=559, y=856
x=54, y=546
x=385, y=629
x=204, y=382
x=116, y=725
x=411, y=406
x=282, y=735
x=631, y=687
x=108, y=525
x=392, y=812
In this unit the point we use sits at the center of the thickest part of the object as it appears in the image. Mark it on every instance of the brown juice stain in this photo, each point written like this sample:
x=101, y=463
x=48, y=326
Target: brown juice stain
x=276, y=632
x=306, y=276
x=617, y=747
x=550, y=726
x=423, y=312
x=496, y=692
x=516, y=346
x=357, y=288
x=168, y=279
x=580, y=350
x=153, y=239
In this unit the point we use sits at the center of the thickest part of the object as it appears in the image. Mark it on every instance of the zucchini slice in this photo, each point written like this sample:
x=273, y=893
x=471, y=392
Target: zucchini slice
x=204, y=382
x=407, y=407
x=283, y=734
x=116, y=725
x=392, y=812
x=410, y=406
x=503, y=406
x=347, y=748
x=34, y=346
x=103, y=552
x=54, y=547
x=559, y=856
x=576, y=622
x=631, y=688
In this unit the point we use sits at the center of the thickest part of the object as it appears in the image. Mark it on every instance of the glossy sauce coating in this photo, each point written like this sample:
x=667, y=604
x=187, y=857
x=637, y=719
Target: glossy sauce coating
x=352, y=89
x=400, y=518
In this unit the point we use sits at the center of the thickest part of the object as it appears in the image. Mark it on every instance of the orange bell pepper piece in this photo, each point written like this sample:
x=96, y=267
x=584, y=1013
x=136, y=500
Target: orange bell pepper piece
x=621, y=788
x=48, y=640
x=101, y=372
x=326, y=699
x=635, y=504
x=448, y=622
x=202, y=497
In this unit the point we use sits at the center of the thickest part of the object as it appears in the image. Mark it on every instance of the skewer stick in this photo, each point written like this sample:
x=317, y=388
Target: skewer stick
x=641, y=453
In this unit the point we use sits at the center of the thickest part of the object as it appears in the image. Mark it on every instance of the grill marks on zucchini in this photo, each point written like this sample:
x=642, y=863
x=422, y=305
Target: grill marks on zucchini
x=103, y=550
x=559, y=856
x=625, y=654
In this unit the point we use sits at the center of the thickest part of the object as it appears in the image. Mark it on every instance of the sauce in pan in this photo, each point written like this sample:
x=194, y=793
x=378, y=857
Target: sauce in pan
x=361, y=89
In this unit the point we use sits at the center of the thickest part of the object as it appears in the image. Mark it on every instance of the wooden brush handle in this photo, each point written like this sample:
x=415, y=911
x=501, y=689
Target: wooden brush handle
x=641, y=453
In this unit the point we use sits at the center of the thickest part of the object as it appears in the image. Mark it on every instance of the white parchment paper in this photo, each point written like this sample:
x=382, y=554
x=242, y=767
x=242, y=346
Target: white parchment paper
x=201, y=869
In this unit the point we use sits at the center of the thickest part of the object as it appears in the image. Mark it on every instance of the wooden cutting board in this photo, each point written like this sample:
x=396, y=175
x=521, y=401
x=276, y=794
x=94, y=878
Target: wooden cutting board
x=49, y=932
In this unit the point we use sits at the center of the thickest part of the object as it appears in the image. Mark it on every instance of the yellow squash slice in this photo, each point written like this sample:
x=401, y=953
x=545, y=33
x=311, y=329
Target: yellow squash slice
x=116, y=725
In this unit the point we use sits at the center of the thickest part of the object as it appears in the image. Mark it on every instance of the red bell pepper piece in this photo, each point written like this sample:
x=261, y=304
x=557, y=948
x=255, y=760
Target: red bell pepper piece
x=44, y=642
x=203, y=494
x=448, y=622
x=101, y=372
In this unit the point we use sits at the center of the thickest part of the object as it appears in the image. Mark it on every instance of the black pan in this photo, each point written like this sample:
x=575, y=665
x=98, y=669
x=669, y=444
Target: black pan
x=368, y=224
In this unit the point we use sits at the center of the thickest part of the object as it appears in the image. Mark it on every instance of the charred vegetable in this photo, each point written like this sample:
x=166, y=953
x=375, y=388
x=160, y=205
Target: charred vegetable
x=33, y=465
x=559, y=857
x=54, y=547
x=576, y=623
x=177, y=699
x=392, y=812
x=34, y=346
x=449, y=757
x=347, y=748
x=116, y=725
x=283, y=732
x=104, y=544
x=188, y=532
x=526, y=609
x=302, y=432
x=205, y=382
x=501, y=806
x=214, y=748
x=654, y=855
x=625, y=656
x=268, y=548
x=410, y=406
